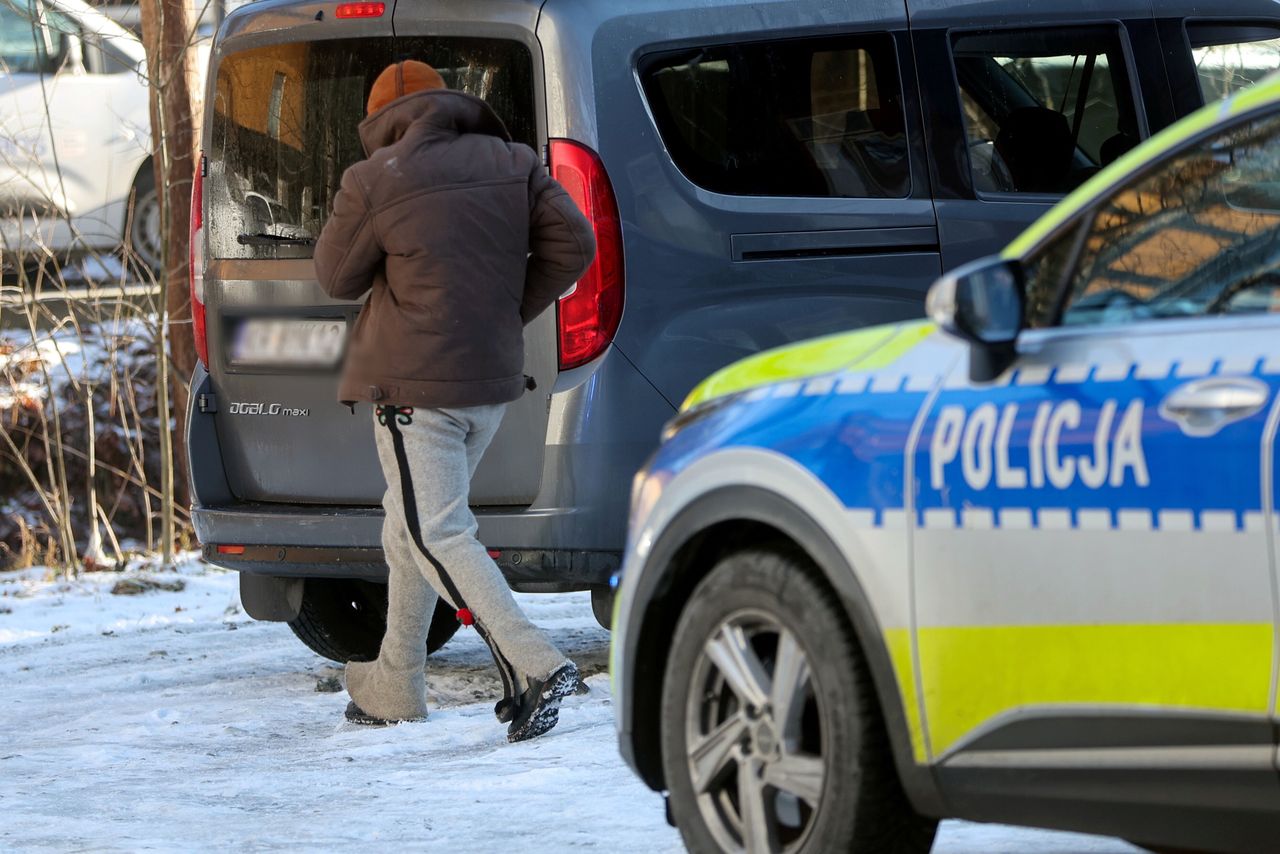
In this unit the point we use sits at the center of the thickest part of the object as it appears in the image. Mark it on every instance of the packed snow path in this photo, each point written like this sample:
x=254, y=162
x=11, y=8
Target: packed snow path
x=168, y=720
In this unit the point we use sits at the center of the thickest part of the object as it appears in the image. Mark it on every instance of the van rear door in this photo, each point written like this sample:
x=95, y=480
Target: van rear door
x=281, y=129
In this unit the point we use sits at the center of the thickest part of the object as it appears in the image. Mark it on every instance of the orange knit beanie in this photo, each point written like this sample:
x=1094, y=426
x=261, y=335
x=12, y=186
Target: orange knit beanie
x=401, y=79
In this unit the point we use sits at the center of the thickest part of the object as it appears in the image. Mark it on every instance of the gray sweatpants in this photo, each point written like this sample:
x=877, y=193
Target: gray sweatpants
x=429, y=536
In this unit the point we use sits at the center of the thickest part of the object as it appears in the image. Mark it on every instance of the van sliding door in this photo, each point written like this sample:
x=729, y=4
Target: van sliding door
x=1019, y=114
x=769, y=167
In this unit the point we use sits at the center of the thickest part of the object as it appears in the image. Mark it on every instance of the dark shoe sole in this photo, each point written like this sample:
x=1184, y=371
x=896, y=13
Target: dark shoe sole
x=357, y=715
x=546, y=714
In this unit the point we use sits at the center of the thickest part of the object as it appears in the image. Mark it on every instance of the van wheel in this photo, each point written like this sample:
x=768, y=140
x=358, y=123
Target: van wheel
x=145, y=240
x=344, y=619
x=771, y=736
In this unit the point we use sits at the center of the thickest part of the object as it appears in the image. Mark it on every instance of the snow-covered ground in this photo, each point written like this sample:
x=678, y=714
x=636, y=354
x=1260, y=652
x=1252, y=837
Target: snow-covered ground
x=169, y=720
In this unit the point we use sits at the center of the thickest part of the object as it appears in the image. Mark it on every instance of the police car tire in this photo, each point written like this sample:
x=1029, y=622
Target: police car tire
x=345, y=619
x=866, y=811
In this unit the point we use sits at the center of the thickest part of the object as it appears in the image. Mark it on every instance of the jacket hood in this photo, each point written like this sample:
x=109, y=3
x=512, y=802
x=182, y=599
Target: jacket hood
x=445, y=110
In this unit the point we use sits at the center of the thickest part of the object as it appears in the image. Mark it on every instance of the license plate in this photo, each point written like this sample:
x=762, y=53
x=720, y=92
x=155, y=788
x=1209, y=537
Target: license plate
x=275, y=343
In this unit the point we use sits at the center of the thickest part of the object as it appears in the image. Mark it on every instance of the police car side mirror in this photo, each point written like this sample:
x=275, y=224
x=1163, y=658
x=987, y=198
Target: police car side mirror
x=982, y=303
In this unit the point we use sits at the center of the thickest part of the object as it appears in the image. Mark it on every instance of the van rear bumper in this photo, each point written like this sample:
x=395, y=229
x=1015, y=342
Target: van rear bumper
x=603, y=424
x=343, y=542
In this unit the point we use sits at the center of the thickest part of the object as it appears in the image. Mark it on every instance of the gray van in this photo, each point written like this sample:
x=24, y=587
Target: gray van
x=756, y=172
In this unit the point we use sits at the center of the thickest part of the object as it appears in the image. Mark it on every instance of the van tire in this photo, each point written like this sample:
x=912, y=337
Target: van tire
x=862, y=805
x=143, y=241
x=345, y=619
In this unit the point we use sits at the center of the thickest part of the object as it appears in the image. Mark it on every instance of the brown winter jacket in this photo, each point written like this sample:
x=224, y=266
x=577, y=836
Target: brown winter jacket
x=462, y=239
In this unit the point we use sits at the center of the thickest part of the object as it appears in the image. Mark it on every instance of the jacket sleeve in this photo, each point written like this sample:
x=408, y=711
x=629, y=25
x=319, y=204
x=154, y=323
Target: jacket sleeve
x=348, y=252
x=561, y=245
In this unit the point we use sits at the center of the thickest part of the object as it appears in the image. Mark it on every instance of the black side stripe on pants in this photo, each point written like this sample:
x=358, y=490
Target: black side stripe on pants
x=505, y=670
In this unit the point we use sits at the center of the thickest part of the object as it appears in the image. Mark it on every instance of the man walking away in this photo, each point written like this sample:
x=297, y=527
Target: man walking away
x=461, y=239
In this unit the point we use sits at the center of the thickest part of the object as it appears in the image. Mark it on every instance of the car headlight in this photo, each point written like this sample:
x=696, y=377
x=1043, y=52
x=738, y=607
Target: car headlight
x=696, y=413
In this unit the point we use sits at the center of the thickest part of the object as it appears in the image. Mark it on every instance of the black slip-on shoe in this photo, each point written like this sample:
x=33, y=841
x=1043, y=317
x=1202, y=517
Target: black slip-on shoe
x=539, y=706
x=504, y=710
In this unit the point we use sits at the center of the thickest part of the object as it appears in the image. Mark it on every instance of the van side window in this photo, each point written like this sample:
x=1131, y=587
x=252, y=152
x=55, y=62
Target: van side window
x=1197, y=237
x=1230, y=57
x=1044, y=110
x=802, y=117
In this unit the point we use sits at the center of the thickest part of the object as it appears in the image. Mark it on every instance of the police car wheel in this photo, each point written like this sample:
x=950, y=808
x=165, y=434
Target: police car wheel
x=771, y=737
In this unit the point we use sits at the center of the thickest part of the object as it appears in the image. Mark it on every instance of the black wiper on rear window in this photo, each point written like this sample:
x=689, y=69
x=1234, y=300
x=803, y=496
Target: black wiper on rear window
x=263, y=239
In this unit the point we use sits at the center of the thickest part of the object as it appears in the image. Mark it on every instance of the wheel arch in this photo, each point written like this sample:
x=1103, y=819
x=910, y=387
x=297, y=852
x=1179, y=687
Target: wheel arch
x=148, y=164
x=724, y=520
x=145, y=169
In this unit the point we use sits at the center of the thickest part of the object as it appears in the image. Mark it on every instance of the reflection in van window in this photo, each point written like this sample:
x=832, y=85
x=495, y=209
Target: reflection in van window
x=1043, y=110
x=1201, y=236
x=804, y=117
x=284, y=128
x=1229, y=58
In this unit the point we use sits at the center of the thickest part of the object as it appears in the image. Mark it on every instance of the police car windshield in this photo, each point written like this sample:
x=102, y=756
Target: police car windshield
x=1199, y=236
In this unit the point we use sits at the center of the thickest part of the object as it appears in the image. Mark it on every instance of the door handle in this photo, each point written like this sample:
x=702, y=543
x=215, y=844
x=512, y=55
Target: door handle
x=1203, y=407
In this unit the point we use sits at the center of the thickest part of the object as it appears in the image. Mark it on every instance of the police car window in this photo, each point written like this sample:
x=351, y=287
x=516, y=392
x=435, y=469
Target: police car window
x=1044, y=110
x=1200, y=236
x=802, y=117
x=1229, y=58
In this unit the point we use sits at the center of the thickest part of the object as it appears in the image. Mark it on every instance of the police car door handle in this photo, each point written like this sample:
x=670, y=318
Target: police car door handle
x=1203, y=407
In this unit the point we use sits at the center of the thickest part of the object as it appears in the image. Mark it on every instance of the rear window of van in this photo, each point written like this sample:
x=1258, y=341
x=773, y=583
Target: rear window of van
x=284, y=128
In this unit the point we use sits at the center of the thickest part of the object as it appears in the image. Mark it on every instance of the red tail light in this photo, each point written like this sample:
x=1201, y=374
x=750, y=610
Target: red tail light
x=196, y=272
x=360, y=10
x=588, y=316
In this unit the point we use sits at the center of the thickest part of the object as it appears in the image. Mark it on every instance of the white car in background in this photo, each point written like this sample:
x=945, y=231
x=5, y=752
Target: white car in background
x=75, y=138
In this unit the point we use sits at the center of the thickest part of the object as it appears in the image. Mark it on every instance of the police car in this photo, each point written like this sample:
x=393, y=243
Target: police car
x=1016, y=563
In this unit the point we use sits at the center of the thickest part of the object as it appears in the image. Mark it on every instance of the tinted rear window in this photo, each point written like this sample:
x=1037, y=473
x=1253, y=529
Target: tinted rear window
x=802, y=117
x=284, y=127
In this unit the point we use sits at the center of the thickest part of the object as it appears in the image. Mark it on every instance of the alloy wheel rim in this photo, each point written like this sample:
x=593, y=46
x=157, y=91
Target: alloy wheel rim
x=754, y=736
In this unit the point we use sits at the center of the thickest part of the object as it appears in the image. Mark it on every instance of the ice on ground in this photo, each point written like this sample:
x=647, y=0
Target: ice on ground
x=168, y=720
x=39, y=604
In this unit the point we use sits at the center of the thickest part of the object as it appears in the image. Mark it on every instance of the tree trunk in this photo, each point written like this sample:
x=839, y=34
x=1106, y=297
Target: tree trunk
x=167, y=33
